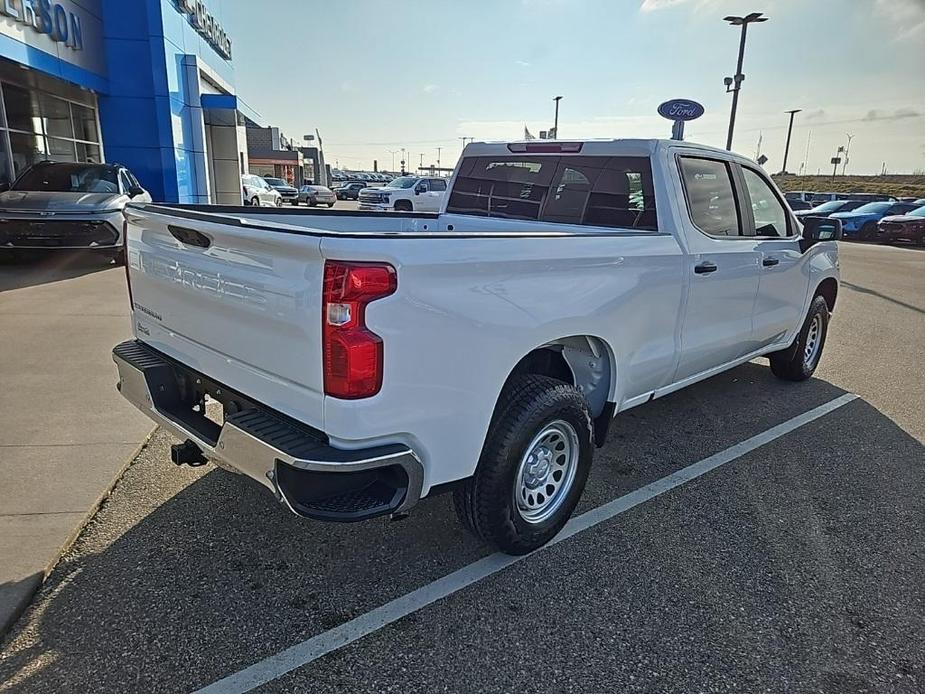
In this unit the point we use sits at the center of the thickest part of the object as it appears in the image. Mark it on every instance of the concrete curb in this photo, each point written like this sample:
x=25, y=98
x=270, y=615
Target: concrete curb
x=25, y=590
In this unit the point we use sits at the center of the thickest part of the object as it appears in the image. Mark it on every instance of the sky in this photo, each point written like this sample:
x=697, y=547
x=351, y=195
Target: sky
x=375, y=77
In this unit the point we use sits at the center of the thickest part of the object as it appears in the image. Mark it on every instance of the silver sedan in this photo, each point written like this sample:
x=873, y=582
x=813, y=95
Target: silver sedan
x=317, y=195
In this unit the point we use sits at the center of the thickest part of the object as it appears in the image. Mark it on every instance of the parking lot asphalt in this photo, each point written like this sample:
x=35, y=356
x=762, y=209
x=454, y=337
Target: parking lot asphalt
x=795, y=567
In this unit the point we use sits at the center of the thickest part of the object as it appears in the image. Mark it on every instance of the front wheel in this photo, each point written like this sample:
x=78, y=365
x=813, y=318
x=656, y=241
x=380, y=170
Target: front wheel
x=279, y=202
x=799, y=361
x=533, y=466
x=403, y=206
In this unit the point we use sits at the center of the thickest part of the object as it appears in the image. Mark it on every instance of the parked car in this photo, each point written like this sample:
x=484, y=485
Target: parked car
x=817, y=198
x=484, y=349
x=258, y=192
x=861, y=223
x=801, y=195
x=869, y=197
x=799, y=205
x=827, y=208
x=405, y=194
x=905, y=227
x=288, y=193
x=56, y=206
x=350, y=190
x=317, y=195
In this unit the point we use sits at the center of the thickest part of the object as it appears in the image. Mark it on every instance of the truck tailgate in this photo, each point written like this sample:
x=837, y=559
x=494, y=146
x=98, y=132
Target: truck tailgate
x=238, y=304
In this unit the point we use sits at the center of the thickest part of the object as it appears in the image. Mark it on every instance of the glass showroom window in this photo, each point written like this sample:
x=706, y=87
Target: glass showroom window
x=38, y=126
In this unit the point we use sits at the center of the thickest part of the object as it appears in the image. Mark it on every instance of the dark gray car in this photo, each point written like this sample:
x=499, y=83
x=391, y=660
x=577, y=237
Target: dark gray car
x=68, y=206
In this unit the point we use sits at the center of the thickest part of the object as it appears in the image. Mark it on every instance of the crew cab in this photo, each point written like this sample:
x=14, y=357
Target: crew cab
x=364, y=361
x=405, y=194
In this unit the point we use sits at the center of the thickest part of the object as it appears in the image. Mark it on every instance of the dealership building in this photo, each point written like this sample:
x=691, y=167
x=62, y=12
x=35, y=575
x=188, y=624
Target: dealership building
x=145, y=83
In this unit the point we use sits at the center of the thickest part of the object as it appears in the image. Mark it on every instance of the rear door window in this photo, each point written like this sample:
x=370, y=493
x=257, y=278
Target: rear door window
x=710, y=198
x=437, y=184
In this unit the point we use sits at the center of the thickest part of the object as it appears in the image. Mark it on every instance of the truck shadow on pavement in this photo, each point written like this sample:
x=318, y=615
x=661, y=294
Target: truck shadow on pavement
x=20, y=271
x=185, y=575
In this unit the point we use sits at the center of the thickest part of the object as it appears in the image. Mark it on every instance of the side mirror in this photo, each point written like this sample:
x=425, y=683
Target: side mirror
x=816, y=229
x=420, y=188
x=135, y=191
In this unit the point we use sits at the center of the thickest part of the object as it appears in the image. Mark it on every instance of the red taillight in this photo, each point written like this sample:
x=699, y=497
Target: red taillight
x=352, y=353
x=128, y=279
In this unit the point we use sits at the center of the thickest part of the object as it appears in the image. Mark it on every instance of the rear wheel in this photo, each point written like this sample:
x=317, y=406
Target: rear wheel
x=533, y=467
x=799, y=361
x=255, y=201
x=868, y=232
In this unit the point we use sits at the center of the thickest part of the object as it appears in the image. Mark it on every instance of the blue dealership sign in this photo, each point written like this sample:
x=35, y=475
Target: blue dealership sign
x=680, y=109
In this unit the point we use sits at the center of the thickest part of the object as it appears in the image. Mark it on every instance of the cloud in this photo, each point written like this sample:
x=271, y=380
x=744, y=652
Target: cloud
x=818, y=114
x=907, y=15
x=655, y=5
x=430, y=88
x=522, y=63
x=898, y=114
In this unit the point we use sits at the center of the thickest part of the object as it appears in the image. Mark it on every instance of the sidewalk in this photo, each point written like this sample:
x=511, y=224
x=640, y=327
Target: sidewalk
x=65, y=433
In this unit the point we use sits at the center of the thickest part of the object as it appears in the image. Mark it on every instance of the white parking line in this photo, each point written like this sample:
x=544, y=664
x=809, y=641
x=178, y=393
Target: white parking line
x=311, y=649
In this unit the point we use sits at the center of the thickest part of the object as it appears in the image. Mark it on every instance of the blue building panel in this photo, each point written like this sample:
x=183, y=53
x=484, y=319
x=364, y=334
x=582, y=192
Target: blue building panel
x=142, y=58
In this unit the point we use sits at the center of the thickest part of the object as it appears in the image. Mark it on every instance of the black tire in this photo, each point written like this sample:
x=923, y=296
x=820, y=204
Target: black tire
x=868, y=232
x=485, y=502
x=793, y=363
x=331, y=204
x=403, y=206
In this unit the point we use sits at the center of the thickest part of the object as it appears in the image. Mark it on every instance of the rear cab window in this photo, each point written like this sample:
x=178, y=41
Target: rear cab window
x=600, y=191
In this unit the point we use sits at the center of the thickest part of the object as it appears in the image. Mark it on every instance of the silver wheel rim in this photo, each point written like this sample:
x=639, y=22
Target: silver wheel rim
x=813, y=341
x=546, y=472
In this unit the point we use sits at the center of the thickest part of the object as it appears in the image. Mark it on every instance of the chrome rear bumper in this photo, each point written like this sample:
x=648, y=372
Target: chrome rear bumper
x=292, y=460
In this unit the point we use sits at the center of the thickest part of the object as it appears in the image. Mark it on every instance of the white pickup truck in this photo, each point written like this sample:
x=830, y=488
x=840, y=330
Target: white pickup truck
x=364, y=361
x=405, y=194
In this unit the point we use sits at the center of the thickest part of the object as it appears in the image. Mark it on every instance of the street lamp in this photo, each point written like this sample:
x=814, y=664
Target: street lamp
x=555, y=125
x=792, y=112
x=735, y=82
x=393, y=152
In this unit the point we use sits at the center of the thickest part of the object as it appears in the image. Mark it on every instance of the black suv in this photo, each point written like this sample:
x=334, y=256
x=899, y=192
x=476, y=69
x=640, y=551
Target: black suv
x=350, y=190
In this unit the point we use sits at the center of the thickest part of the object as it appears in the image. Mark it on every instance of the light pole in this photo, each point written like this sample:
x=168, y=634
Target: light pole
x=555, y=124
x=402, y=161
x=438, y=157
x=844, y=165
x=783, y=169
x=737, y=79
x=393, y=152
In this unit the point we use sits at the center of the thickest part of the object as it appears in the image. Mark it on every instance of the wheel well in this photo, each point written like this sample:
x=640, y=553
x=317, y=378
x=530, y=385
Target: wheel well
x=828, y=290
x=582, y=361
x=403, y=204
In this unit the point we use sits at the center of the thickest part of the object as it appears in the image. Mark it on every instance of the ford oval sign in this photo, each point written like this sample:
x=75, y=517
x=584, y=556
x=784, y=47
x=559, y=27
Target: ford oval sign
x=680, y=109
